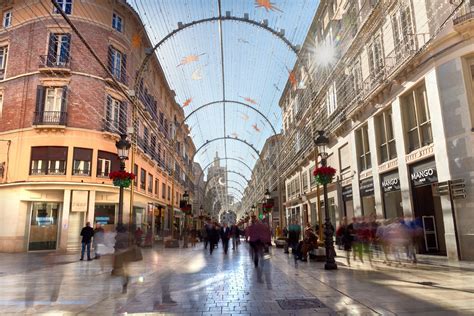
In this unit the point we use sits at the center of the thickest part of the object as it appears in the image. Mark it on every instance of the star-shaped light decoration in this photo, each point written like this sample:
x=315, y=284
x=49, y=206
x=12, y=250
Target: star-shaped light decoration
x=189, y=59
x=292, y=78
x=235, y=135
x=197, y=74
x=255, y=127
x=136, y=40
x=250, y=100
x=245, y=117
x=187, y=102
x=267, y=5
x=242, y=40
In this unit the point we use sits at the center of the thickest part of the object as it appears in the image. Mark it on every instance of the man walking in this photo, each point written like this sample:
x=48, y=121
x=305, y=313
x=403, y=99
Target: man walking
x=225, y=236
x=87, y=233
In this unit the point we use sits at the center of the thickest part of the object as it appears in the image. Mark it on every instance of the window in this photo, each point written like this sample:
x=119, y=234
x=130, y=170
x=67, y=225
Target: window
x=117, y=64
x=117, y=22
x=51, y=105
x=163, y=191
x=115, y=115
x=157, y=187
x=363, y=150
x=65, y=5
x=331, y=99
x=135, y=172
x=107, y=162
x=48, y=160
x=403, y=33
x=417, y=118
x=470, y=84
x=82, y=162
x=375, y=53
x=150, y=183
x=142, y=179
x=356, y=77
x=1, y=105
x=103, y=167
x=169, y=193
x=304, y=177
x=386, y=140
x=3, y=61
x=58, y=50
x=7, y=19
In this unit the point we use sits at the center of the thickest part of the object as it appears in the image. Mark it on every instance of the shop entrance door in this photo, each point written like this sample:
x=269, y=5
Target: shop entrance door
x=43, y=226
x=76, y=222
x=429, y=206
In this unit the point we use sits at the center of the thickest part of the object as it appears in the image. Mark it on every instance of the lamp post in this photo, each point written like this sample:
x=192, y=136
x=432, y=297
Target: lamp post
x=123, y=147
x=253, y=209
x=321, y=142
x=267, y=195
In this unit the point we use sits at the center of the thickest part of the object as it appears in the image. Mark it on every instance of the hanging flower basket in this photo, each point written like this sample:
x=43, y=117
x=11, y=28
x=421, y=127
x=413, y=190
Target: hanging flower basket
x=267, y=207
x=324, y=175
x=122, y=178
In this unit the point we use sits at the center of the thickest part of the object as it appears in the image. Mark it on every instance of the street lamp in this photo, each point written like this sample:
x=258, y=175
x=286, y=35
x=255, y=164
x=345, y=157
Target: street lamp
x=201, y=210
x=123, y=147
x=321, y=142
x=267, y=195
x=253, y=209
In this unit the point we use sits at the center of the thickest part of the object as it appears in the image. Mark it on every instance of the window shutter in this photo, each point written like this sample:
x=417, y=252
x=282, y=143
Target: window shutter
x=123, y=118
x=66, y=49
x=108, y=113
x=51, y=58
x=109, y=59
x=64, y=105
x=123, y=71
x=39, y=104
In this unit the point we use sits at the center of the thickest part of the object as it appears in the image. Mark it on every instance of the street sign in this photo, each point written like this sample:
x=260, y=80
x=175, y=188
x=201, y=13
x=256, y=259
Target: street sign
x=458, y=188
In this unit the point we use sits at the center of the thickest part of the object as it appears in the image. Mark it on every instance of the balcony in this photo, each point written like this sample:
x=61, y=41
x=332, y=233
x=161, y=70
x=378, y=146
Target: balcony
x=464, y=18
x=54, y=63
x=54, y=118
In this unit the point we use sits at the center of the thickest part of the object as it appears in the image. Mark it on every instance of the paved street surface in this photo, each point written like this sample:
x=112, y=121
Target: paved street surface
x=203, y=284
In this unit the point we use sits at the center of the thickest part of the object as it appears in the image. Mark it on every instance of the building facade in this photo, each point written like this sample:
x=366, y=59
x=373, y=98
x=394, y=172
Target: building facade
x=391, y=84
x=266, y=176
x=61, y=112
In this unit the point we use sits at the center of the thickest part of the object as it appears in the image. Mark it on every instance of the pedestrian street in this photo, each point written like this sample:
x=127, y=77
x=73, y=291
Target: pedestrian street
x=197, y=283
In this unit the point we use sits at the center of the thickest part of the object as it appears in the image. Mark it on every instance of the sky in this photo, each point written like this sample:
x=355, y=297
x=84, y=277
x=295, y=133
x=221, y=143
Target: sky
x=256, y=69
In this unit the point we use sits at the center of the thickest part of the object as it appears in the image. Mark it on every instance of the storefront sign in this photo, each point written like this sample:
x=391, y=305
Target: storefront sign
x=424, y=173
x=390, y=182
x=79, y=201
x=347, y=193
x=366, y=187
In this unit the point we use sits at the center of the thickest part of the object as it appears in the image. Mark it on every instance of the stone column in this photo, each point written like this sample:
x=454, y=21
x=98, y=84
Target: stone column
x=63, y=235
x=355, y=180
x=405, y=181
x=375, y=167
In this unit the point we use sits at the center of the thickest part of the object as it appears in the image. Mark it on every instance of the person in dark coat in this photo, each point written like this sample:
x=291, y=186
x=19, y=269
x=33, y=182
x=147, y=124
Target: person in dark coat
x=213, y=237
x=87, y=233
x=225, y=236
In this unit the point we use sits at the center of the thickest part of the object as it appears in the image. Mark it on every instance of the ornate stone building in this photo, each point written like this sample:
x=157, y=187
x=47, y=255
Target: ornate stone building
x=61, y=111
x=392, y=84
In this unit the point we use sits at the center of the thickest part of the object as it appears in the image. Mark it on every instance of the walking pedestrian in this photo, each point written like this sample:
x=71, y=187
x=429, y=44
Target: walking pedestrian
x=235, y=233
x=98, y=239
x=225, y=236
x=213, y=237
x=87, y=233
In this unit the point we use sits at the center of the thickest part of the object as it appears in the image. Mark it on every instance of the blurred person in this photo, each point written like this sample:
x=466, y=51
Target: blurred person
x=345, y=232
x=148, y=237
x=193, y=236
x=309, y=243
x=235, y=234
x=225, y=236
x=87, y=233
x=258, y=235
x=204, y=235
x=294, y=233
x=138, y=236
x=213, y=237
x=98, y=239
x=278, y=231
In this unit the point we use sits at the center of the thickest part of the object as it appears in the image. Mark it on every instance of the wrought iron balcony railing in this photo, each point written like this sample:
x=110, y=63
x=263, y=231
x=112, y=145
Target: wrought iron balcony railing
x=50, y=118
x=52, y=61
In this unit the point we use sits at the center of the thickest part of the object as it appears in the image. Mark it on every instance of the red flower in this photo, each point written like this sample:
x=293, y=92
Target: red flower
x=121, y=175
x=324, y=171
